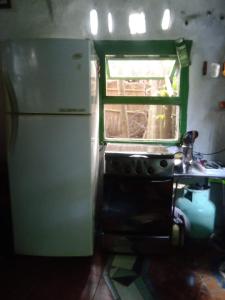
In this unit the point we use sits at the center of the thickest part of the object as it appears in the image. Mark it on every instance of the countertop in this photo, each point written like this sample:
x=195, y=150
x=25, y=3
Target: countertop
x=202, y=172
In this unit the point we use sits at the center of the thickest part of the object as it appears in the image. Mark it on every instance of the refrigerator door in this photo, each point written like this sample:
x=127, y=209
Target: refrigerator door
x=48, y=75
x=50, y=184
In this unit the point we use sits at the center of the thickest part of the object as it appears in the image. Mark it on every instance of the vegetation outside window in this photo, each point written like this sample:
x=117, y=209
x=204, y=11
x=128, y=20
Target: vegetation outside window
x=143, y=91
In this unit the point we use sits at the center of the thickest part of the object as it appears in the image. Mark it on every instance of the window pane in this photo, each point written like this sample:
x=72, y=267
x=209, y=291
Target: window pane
x=142, y=77
x=141, y=68
x=141, y=122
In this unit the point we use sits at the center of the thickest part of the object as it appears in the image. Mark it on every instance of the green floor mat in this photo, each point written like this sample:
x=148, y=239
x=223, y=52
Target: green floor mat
x=126, y=277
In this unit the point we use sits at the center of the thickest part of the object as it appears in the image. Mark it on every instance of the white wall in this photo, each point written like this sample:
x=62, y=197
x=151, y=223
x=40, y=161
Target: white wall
x=70, y=19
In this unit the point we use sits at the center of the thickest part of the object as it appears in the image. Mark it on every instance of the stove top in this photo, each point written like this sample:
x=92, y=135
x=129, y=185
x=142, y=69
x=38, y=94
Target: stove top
x=138, y=160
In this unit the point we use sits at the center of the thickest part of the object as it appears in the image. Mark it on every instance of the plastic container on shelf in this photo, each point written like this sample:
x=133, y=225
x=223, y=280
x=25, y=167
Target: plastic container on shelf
x=199, y=209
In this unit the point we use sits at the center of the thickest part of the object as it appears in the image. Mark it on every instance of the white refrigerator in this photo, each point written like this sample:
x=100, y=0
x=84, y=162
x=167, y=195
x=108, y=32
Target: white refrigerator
x=51, y=91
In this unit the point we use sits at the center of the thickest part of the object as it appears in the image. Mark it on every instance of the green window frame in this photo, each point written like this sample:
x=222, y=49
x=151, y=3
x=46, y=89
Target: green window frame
x=161, y=48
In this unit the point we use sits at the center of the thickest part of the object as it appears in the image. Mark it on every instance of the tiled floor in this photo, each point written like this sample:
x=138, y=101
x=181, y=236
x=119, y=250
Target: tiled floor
x=188, y=275
x=182, y=275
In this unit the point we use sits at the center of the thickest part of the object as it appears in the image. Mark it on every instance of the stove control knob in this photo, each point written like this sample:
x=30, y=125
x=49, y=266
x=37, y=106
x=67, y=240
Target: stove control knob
x=163, y=163
x=127, y=169
x=150, y=170
x=138, y=168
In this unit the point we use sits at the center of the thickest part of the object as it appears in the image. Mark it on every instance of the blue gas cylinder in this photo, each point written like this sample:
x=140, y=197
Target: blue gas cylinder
x=199, y=209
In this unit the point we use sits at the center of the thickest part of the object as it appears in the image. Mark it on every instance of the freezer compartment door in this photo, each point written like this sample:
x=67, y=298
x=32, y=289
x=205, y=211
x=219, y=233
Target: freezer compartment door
x=50, y=183
x=48, y=75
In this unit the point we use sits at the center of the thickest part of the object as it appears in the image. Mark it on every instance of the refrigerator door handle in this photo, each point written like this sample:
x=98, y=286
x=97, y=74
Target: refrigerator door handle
x=12, y=112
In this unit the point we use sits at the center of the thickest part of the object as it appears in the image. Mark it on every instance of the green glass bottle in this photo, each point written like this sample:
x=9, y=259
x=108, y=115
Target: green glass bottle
x=182, y=52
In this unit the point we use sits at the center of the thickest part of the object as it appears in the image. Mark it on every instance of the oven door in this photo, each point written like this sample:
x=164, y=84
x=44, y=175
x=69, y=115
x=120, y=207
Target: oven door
x=134, y=205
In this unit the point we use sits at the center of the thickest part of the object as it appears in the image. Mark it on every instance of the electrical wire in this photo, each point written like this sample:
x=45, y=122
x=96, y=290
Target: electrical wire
x=222, y=150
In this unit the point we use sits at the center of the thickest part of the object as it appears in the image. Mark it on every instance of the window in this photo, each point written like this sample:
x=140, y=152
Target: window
x=142, y=76
x=143, y=92
x=137, y=23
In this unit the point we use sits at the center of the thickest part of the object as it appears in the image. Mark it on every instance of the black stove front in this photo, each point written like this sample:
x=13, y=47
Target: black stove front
x=137, y=208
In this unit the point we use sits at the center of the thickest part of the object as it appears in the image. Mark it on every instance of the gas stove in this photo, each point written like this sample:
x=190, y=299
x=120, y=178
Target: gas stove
x=138, y=160
x=138, y=186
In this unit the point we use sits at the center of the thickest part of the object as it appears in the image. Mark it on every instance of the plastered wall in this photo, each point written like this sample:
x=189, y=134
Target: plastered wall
x=204, y=25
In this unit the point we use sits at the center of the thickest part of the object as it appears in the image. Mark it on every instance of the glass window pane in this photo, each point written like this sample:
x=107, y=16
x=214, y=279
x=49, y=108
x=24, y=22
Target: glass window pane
x=141, y=122
x=148, y=88
x=140, y=68
x=142, y=77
